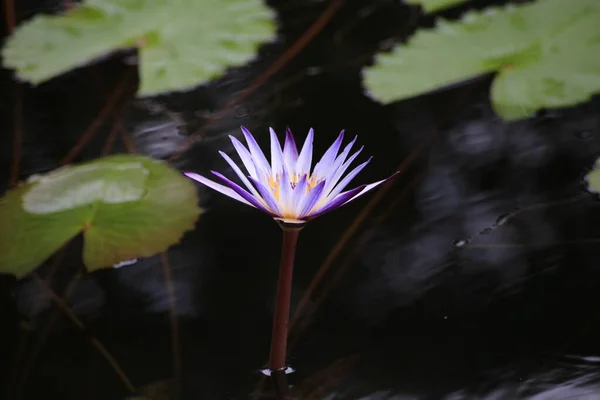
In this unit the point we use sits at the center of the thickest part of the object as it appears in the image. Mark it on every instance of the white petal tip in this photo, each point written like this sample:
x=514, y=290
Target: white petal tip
x=192, y=175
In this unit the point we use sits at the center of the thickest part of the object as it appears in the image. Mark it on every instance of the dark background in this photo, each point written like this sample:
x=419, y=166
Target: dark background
x=418, y=303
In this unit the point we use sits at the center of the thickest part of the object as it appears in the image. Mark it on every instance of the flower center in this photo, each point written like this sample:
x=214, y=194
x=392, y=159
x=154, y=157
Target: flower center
x=275, y=182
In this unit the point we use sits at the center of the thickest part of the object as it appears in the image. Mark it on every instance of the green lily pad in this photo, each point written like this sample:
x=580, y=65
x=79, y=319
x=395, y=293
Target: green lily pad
x=126, y=206
x=182, y=43
x=593, y=178
x=435, y=5
x=547, y=54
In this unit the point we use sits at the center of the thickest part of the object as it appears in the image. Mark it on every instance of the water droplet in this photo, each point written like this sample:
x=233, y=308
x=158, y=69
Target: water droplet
x=126, y=262
x=267, y=371
x=461, y=242
x=504, y=218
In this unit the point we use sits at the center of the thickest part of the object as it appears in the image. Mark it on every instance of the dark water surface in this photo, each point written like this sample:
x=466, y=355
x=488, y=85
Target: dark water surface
x=417, y=305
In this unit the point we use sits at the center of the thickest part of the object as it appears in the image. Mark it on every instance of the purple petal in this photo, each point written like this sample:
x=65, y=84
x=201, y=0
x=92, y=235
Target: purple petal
x=290, y=152
x=305, y=157
x=299, y=194
x=337, y=174
x=342, y=157
x=324, y=165
x=340, y=186
x=338, y=201
x=267, y=195
x=260, y=161
x=276, y=154
x=240, y=174
x=218, y=187
x=240, y=191
x=285, y=193
x=244, y=156
x=311, y=199
x=368, y=188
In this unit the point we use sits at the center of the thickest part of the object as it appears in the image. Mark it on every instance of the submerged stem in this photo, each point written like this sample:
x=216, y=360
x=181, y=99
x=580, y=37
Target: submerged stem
x=282, y=305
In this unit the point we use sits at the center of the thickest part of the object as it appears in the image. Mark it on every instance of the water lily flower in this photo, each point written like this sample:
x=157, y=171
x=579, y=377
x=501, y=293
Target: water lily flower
x=288, y=188
x=292, y=192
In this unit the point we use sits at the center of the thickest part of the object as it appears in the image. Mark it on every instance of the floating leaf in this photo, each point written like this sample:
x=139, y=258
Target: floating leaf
x=182, y=43
x=547, y=54
x=435, y=5
x=593, y=178
x=126, y=206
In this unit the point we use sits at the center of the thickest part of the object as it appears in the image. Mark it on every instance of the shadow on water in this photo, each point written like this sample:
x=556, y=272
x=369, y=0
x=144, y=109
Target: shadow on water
x=434, y=296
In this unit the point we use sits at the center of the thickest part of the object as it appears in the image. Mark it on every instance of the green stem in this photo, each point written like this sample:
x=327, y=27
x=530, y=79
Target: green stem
x=282, y=302
x=277, y=357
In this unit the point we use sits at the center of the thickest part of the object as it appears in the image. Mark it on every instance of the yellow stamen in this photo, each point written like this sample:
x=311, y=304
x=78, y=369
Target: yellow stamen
x=312, y=181
x=275, y=182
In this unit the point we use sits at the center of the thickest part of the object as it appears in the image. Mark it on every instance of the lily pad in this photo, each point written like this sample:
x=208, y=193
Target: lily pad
x=126, y=206
x=593, y=178
x=435, y=5
x=182, y=43
x=547, y=54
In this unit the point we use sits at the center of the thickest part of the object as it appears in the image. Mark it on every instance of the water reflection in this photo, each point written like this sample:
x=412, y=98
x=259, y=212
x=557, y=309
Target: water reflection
x=477, y=283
